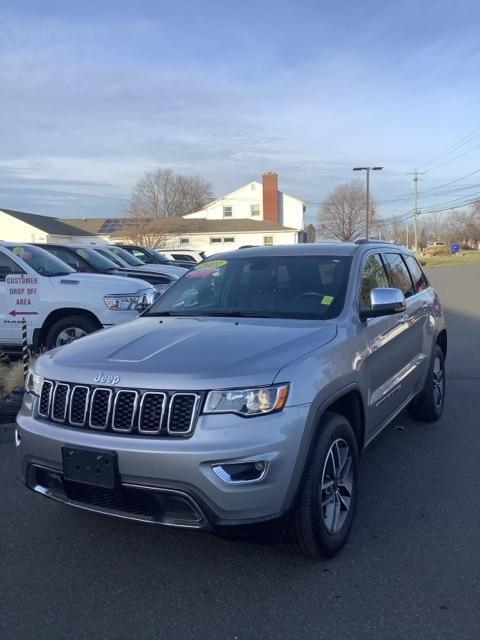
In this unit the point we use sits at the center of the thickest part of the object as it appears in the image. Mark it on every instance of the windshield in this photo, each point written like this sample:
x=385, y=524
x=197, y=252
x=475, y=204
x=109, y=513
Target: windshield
x=94, y=258
x=126, y=257
x=41, y=261
x=162, y=256
x=274, y=287
x=110, y=256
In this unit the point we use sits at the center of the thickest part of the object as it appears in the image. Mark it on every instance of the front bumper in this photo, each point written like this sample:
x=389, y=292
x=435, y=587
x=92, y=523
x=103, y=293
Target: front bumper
x=175, y=470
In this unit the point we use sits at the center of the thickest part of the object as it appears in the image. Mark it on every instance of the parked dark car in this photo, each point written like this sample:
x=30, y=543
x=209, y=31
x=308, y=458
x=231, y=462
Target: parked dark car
x=151, y=256
x=85, y=259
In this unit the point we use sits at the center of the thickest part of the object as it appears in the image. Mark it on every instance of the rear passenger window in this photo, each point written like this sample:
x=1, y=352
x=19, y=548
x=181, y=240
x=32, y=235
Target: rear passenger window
x=398, y=273
x=420, y=282
x=373, y=277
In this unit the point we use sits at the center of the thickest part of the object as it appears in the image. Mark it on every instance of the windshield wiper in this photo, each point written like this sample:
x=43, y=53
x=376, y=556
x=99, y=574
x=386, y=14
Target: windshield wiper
x=213, y=314
x=234, y=314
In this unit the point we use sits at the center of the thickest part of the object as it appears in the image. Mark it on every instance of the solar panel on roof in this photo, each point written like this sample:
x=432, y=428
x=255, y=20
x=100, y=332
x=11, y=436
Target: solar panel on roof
x=110, y=225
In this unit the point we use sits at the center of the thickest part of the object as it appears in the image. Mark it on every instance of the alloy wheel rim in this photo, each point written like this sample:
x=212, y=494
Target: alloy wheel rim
x=438, y=382
x=69, y=335
x=336, y=488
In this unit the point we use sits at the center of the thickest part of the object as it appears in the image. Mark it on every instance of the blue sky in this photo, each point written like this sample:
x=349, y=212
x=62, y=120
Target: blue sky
x=95, y=93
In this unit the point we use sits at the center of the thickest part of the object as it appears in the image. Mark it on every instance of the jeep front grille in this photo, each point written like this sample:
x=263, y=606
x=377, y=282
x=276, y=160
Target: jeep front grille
x=119, y=410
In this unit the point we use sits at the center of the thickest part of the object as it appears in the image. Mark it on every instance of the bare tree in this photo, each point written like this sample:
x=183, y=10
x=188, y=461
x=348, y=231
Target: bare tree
x=158, y=196
x=342, y=215
x=155, y=232
x=165, y=194
x=435, y=227
x=311, y=233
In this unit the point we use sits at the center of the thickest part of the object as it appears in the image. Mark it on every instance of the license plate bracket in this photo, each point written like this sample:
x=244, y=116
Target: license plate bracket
x=89, y=466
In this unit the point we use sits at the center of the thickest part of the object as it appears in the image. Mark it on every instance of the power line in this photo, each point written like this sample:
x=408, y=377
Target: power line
x=460, y=155
x=473, y=134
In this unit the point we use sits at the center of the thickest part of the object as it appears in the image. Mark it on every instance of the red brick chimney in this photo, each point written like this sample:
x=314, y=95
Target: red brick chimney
x=270, y=197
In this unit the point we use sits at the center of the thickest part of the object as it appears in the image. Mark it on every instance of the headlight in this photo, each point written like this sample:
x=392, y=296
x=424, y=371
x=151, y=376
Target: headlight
x=146, y=298
x=34, y=383
x=130, y=301
x=247, y=402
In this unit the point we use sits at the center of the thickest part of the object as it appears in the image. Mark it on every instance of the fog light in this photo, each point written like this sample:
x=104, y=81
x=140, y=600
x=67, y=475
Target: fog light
x=18, y=439
x=241, y=472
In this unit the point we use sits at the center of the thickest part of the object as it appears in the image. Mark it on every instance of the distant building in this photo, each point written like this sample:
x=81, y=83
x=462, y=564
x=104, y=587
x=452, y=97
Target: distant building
x=256, y=201
x=255, y=214
x=195, y=233
x=18, y=226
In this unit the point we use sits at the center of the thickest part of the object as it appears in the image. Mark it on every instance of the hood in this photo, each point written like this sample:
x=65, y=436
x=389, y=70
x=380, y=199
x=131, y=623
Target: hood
x=187, y=353
x=110, y=283
x=150, y=276
x=167, y=269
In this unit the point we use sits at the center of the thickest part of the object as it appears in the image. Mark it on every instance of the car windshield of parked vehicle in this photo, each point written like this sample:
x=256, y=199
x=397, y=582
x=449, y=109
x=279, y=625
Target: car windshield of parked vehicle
x=307, y=287
x=41, y=261
x=127, y=257
x=95, y=259
x=163, y=257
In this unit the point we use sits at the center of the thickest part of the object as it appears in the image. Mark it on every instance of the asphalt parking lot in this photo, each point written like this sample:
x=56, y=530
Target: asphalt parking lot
x=411, y=568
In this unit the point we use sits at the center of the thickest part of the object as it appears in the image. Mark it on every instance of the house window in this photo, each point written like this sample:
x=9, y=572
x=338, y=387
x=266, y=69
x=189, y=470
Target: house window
x=229, y=239
x=184, y=240
x=268, y=240
x=227, y=212
x=254, y=210
x=215, y=240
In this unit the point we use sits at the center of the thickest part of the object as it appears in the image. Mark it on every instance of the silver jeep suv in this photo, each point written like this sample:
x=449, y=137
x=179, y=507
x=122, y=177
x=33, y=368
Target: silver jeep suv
x=242, y=399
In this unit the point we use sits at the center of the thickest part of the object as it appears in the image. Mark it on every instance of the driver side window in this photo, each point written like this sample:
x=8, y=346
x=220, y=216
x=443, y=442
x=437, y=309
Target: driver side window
x=8, y=266
x=374, y=276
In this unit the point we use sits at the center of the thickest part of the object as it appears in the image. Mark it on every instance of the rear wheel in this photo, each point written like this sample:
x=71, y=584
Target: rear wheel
x=428, y=405
x=325, y=508
x=68, y=329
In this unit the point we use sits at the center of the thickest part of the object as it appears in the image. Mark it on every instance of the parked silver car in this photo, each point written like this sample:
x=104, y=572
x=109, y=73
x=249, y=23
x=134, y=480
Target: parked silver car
x=242, y=399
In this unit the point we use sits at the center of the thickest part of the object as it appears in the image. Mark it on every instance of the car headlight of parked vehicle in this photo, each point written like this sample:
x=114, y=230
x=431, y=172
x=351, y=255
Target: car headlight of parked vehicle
x=138, y=301
x=34, y=383
x=247, y=402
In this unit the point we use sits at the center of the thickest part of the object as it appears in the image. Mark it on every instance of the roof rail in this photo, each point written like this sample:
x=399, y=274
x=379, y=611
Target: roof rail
x=365, y=241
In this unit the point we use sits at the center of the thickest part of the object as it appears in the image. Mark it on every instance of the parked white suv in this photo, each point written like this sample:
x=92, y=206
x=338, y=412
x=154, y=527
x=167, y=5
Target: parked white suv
x=71, y=304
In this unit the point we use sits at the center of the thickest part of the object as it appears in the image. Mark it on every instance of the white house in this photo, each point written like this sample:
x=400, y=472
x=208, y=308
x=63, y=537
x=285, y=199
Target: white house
x=19, y=226
x=255, y=214
x=256, y=201
x=199, y=234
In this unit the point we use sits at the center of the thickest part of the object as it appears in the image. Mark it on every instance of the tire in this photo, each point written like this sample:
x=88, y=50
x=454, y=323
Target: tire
x=313, y=531
x=428, y=405
x=72, y=326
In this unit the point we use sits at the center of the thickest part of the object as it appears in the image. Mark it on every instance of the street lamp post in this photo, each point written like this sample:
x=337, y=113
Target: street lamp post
x=367, y=220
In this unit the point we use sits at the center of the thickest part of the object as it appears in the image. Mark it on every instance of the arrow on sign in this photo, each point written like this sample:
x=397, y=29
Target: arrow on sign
x=14, y=312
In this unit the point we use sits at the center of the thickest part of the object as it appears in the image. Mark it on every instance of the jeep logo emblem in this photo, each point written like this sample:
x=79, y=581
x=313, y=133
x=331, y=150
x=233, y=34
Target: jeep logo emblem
x=103, y=378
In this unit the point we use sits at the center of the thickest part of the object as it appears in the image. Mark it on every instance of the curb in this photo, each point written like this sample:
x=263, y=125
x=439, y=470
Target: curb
x=7, y=432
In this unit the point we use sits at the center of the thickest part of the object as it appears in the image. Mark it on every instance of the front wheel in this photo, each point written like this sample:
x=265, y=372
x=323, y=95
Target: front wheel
x=68, y=329
x=325, y=508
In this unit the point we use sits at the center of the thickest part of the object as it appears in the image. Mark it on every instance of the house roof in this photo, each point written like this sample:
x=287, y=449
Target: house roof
x=46, y=223
x=117, y=227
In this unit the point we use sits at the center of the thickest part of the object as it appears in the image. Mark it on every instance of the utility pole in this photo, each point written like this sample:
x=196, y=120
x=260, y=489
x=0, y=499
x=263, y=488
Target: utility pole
x=415, y=175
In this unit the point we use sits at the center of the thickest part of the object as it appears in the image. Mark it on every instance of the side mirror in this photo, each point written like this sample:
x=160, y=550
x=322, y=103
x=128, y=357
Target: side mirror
x=384, y=301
